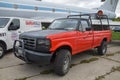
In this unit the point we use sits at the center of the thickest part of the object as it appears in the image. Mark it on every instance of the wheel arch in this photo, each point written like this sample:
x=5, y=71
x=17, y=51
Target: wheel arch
x=59, y=48
x=105, y=39
x=3, y=43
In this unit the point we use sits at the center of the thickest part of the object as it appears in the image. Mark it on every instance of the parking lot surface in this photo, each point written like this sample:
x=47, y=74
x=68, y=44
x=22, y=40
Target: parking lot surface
x=85, y=66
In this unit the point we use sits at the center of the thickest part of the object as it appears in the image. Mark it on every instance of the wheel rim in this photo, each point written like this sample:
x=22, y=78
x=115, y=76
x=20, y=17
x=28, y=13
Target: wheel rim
x=104, y=48
x=1, y=51
x=66, y=63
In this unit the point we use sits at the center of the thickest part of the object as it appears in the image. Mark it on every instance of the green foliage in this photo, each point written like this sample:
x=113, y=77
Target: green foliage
x=115, y=35
x=116, y=19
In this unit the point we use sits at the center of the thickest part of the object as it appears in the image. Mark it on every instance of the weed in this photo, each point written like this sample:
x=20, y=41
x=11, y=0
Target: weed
x=47, y=71
x=88, y=61
x=112, y=70
x=25, y=78
x=100, y=77
x=110, y=54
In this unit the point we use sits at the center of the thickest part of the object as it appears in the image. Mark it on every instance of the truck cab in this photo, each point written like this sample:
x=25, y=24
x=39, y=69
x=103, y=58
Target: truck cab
x=64, y=37
x=11, y=27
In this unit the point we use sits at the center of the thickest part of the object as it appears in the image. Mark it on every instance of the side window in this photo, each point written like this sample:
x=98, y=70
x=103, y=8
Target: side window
x=105, y=24
x=14, y=25
x=97, y=27
x=16, y=22
x=84, y=24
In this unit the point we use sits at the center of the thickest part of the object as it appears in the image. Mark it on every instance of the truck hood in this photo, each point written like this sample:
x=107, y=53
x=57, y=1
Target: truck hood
x=40, y=33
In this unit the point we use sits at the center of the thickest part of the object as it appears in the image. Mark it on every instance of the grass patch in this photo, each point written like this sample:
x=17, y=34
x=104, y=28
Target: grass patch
x=115, y=35
x=22, y=78
x=84, y=61
x=88, y=61
x=115, y=69
x=100, y=77
x=110, y=54
x=47, y=71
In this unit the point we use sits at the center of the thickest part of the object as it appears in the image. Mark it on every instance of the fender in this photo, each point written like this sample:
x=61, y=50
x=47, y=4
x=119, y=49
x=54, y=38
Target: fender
x=53, y=49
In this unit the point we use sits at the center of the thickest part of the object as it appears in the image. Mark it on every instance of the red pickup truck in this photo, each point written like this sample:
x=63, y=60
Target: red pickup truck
x=64, y=37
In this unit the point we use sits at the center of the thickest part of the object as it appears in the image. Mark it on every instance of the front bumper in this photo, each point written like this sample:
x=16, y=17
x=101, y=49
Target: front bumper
x=30, y=56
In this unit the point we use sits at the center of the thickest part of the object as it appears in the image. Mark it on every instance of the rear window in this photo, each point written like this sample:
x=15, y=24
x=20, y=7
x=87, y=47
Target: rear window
x=106, y=27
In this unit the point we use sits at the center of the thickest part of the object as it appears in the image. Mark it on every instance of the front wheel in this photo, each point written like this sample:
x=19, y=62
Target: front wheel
x=62, y=62
x=102, y=49
x=2, y=50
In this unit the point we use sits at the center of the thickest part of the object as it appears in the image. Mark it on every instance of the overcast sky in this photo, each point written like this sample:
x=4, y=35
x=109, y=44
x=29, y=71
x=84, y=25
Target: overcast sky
x=83, y=3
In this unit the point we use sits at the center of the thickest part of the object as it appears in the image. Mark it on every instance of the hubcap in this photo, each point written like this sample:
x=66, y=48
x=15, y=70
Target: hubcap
x=66, y=63
x=1, y=51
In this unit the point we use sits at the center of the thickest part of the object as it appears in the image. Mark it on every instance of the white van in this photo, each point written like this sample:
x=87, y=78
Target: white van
x=11, y=27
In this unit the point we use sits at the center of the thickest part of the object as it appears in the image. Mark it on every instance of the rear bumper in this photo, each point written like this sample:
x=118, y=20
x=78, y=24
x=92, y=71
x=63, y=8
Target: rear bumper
x=31, y=56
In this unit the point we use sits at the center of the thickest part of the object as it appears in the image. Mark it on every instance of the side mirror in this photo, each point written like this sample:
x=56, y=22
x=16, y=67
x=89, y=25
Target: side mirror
x=12, y=27
x=88, y=29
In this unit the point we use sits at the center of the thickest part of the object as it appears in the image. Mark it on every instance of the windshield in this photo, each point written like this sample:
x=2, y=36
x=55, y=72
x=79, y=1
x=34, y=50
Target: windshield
x=3, y=22
x=66, y=24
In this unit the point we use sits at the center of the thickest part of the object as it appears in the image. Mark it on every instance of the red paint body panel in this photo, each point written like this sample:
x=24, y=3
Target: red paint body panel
x=78, y=41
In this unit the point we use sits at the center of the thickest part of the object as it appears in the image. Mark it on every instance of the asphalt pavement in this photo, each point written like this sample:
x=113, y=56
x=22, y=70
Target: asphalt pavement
x=85, y=66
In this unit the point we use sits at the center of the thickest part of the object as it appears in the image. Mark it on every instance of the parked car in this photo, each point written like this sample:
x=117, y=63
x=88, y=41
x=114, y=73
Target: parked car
x=116, y=29
x=64, y=38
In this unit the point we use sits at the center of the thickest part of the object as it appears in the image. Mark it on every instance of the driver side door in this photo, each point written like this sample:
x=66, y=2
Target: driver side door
x=85, y=36
x=13, y=32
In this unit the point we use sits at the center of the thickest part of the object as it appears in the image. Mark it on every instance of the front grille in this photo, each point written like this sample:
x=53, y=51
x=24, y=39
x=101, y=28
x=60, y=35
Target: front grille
x=29, y=43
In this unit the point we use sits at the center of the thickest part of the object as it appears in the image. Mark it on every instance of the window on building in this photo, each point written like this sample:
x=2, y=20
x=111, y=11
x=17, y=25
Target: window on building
x=36, y=8
x=15, y=6
x=53, y=10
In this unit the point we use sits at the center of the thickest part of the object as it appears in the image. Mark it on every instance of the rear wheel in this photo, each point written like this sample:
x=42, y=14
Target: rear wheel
x=2, y=50
x=102, y=49
x=62, y=62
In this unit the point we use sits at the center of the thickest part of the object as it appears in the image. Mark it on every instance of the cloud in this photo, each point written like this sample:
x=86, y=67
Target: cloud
x=79, y=3
x=83, y=3
x=118, y=9
x=118, y=13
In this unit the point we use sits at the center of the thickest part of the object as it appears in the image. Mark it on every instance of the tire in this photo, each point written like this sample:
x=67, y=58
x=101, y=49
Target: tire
x=2, y=50
x=102, y=49
x=62, y=62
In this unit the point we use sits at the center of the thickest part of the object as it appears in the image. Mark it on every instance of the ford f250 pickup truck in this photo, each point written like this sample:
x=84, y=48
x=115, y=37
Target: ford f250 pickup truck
x=64, y=37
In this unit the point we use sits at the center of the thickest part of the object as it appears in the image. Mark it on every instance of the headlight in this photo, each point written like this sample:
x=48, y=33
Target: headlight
x=45, y=42
x=43, y=45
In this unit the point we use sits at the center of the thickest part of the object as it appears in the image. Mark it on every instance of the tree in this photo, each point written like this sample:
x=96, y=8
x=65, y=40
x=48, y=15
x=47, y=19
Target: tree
x=116, y=19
